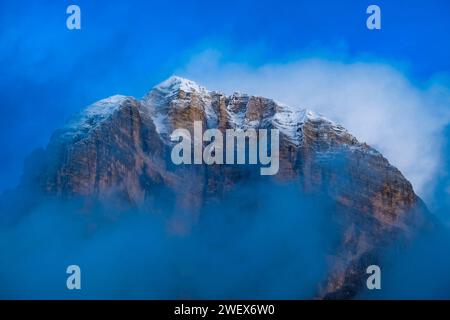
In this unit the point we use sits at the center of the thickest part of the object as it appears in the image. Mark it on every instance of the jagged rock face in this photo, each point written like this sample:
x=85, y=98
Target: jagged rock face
x=120, y=147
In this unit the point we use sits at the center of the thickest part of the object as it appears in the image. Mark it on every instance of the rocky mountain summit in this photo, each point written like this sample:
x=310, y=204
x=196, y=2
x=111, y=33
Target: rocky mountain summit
x=119, y=148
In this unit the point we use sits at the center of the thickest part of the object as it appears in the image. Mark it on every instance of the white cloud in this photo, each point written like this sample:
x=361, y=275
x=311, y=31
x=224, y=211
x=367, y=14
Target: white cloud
x=374, y=101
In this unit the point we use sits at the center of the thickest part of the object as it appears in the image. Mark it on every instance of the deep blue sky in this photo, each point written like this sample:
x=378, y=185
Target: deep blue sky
x=49, y=72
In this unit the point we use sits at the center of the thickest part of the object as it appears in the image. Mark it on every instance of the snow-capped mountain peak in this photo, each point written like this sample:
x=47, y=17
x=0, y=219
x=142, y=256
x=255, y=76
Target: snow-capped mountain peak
x=176, y=83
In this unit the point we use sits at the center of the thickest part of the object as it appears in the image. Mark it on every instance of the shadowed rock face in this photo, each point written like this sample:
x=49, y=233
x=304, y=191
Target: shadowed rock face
x=119, y=148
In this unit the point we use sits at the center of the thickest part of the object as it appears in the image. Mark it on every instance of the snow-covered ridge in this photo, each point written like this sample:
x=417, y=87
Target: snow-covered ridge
x=94, y=114
x=104, y=107
x=165, y=96
x=290, y=120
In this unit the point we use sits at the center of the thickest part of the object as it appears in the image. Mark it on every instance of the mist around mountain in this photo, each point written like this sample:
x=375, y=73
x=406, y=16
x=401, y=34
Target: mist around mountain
x=104, y=195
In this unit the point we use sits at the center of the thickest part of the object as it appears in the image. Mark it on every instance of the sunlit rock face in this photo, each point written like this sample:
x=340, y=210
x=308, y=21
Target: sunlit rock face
x=118, y=150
